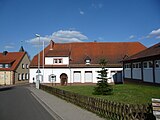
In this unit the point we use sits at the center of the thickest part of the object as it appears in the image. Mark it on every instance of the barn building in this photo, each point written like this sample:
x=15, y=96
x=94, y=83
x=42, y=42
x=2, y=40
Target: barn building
x=74, y=63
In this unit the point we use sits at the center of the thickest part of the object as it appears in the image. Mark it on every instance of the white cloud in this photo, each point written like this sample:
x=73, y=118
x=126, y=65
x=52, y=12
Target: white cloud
x=158, y=37
x=132, y=37
x=61, y=36
x=99, y=5
x=100, y=38
x=154, y=33
x=81, y=12
x=8, y=46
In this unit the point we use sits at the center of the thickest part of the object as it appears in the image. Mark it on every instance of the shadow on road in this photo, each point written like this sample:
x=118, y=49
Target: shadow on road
x=6, y=88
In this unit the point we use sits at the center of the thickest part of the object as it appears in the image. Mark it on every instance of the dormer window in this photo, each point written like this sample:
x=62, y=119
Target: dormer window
x=5, y=65
x=88, y=60
x=1, y=65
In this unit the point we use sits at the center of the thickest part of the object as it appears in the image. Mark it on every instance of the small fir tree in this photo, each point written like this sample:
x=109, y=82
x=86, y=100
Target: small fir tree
x=103, y=88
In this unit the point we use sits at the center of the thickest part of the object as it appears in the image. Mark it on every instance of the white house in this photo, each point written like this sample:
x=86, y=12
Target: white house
x=143, y=66
x=79, y=62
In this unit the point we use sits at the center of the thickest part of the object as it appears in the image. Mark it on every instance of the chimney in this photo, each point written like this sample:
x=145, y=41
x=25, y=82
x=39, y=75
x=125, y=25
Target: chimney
x=5, y=53
x=51, y=45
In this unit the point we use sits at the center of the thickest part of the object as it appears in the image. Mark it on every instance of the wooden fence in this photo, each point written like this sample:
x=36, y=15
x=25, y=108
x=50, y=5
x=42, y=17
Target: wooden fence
x=107, y=109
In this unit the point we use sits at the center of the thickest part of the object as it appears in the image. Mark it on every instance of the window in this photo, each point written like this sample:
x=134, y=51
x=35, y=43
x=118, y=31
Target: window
x=19, y=76
x=57, y=61
x=23, y=76
x=128, y=65
x=147, y=64
x=60, y=60
x=1, y=65
x=137, y=65
x=7, y=65
x=157, y=63
x=88, y=61
x=150, y=64
x=23, y=66
x=134, y=65
x=26, y=76
x=52, y=78
x=27, y=66
x=144, y=64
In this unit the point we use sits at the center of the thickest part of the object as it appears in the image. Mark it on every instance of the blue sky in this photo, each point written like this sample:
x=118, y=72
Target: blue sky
x=77, y=21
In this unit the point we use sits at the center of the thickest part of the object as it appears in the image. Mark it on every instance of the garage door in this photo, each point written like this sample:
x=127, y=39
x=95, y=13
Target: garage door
x=77, y=76
x=88, y=76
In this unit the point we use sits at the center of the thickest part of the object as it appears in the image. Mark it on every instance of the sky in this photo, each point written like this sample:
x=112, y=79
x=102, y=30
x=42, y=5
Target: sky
x=77, y=21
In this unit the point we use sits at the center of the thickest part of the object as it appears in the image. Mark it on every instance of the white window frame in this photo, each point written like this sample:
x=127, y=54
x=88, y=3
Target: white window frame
x=136, y=65
x=157, y=62
x=148, y=65
x=88, y=61
x=23, y=66
x=27, y=66
x=26, y=76
x=6, y=65
x=1, y=65
x=145, y=64
x=57, y=61
x=127, y=65
x=19, y=76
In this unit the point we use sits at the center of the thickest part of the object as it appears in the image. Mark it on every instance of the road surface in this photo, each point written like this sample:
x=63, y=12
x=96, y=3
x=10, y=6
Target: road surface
x=18, y=103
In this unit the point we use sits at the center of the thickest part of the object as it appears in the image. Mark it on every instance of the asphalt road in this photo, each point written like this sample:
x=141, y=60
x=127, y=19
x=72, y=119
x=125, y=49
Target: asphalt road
x=18, y=103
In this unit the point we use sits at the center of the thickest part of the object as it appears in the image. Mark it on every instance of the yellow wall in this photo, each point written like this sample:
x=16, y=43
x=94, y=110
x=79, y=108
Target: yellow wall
x=6, y=78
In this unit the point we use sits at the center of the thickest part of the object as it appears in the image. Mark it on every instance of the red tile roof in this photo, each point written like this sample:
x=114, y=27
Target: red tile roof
x=150, y=52
x=11, y=57
x=113, y=52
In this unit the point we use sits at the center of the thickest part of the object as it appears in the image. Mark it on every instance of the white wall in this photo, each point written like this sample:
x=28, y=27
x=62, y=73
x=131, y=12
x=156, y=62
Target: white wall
x=127, y=72
x=69, y=72
x=148, y=74
x=49, y=60
x=136, y=73
x=47, y=72
x=157, y=75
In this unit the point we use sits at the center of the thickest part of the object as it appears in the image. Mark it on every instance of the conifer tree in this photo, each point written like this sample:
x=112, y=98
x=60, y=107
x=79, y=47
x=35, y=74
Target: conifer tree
x=102, y=87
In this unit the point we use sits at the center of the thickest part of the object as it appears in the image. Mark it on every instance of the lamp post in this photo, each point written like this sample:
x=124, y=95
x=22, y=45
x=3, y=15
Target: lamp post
x=43, y=59
x=38, y=71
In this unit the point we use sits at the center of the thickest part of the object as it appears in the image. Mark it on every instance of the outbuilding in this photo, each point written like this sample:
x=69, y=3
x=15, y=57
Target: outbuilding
x=143, y=66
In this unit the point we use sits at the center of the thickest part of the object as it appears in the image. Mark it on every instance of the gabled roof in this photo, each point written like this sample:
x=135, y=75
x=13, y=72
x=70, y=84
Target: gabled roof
x=57, y=53
x=149, y=52
x=11, y=57
x=113, y=52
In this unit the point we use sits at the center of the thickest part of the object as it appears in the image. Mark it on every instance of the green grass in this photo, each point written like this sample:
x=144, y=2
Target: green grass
x=124, y=93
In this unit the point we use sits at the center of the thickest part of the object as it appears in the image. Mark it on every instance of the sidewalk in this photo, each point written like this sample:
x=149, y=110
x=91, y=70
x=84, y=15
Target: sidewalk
x=61, y=109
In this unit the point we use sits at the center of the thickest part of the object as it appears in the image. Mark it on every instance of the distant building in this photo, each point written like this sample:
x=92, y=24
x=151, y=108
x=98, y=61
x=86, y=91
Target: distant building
x=14, y=67
x=79, y=62
x=143, y=66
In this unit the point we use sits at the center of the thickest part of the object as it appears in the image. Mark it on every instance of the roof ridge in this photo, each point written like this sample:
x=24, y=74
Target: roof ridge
x=97, y=42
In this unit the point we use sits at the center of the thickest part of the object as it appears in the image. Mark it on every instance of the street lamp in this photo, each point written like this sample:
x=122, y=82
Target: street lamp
x=38, y=71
